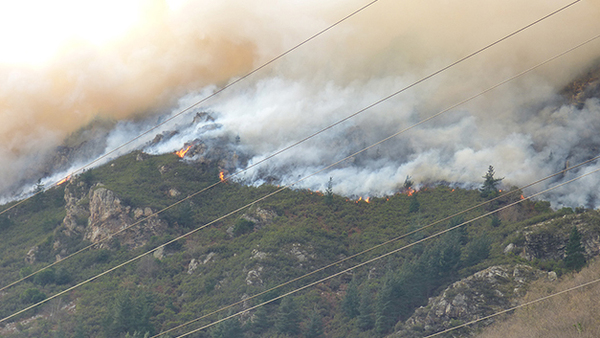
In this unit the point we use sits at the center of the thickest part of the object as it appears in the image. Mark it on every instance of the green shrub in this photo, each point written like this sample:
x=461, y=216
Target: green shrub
x=32, y=296
x=242, y=226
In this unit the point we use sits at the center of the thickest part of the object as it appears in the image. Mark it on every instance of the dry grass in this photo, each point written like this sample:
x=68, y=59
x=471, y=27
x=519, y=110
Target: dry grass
x=573, y=314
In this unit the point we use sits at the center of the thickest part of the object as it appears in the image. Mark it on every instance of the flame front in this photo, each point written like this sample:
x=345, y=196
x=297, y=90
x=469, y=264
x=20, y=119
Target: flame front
x=222, y=176
x=64, y=180
x=181, y=153
x=410, y=191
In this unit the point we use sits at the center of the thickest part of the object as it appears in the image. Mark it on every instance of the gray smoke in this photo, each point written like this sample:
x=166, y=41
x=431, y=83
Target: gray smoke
x=525, y=129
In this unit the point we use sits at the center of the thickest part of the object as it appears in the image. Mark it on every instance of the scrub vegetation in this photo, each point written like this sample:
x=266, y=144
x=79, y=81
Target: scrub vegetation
x=244, y=255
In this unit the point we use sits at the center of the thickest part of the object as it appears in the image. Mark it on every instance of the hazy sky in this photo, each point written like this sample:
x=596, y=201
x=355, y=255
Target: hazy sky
x=64, y=63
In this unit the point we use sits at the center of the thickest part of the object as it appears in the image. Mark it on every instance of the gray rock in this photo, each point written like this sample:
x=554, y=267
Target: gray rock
x=483, y=293
x=192, y=266
x=509, y=248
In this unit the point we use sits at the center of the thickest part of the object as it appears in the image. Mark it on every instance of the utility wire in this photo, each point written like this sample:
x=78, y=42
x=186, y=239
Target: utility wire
x=185, y=110
x=278, y=190
x=318, y=132
x=328, y=127
x=384, y=255
x=395, y=239
x=517, y=307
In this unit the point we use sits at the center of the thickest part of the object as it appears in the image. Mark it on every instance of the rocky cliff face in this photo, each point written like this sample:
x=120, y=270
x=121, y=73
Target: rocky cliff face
x=547, y=240
x=500, y=287
x=486, y=292
x=95, y=213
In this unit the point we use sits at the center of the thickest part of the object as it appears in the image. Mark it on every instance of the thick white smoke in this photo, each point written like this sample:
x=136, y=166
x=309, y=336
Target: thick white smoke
x=523, y=128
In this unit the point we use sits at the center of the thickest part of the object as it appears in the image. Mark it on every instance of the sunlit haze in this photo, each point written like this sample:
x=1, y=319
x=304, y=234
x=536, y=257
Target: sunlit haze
x=69, y=65
x=32, y=31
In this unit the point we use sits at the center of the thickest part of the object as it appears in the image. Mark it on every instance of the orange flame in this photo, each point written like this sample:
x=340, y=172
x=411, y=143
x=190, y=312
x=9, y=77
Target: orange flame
x=359, y=199
x=410, y=191
x=181, y=153
x=222, y=176
x=368, y=199
x=452, y=190
x=522, y=197
x=64, y=180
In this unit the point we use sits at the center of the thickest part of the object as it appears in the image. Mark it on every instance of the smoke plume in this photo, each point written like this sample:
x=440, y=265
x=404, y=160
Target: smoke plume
x=525, y=129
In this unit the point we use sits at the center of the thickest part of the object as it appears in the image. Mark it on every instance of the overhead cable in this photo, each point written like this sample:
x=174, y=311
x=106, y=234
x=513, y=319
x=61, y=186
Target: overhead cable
x=395, y=239
x=329, y=126
x=324, y=129
x=217, y=92
x=516, y=307
x=385, y=255
x=279, y=189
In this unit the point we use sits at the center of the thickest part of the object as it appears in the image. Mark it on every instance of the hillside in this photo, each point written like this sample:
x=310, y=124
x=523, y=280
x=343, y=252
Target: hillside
x=578, y=316
x=271, y=242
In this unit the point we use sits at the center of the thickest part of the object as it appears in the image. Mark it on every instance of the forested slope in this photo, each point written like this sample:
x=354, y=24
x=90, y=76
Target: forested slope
x=271, y=242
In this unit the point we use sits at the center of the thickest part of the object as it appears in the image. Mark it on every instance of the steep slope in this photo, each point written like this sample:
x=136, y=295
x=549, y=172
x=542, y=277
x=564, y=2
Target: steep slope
x=267, y=244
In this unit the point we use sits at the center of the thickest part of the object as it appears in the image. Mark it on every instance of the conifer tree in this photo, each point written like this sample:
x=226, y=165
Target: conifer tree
x=260, y=320
x=365, y=318
x=288, y=317
x=574, y=258
x=228, y=329
x=414, y=204
x=351, y=301
x=314, y=329
x=489, y=188
x=386, y=313
x=329, y=192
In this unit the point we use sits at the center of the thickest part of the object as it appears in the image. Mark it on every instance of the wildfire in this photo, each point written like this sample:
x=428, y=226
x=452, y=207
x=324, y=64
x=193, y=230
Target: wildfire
x=410, y=191
x=222, y=176
x=368, y=199
x=181, y=153
x=522, y=197
x=64, y=180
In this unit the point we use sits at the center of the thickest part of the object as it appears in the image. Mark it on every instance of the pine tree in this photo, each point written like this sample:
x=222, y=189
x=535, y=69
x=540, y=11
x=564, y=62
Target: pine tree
x=574, y=258
x=314, y=329
x=365, y=318
x=288, y=317
x=386, y=313
x=489, y=188
x=351, y=301
x=228, y=329
x=260, y=320
x=329, y=192
x=414, y=204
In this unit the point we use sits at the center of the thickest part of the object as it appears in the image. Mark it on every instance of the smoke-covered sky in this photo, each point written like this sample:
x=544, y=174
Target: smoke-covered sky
x=173, y=53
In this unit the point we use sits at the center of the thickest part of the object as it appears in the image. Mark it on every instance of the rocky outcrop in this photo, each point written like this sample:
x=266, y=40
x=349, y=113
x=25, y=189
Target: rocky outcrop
x=76, y=207
x=260, y=217
x=585, y=87
x=488, y=291
x=95, y=213
x=30, y=258
x=107, y=215
x=547, y=240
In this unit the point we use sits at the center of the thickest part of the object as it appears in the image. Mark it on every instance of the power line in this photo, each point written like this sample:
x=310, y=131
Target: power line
x=395, y=239
x=284, y=187
x=322, y=130
x=516, y=307
x=383, y=255
x=188, y=108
